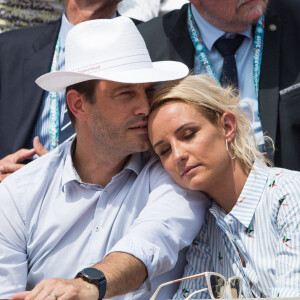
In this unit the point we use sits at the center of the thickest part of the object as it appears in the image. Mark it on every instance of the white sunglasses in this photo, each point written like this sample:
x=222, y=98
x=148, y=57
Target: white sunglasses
x=216, y=286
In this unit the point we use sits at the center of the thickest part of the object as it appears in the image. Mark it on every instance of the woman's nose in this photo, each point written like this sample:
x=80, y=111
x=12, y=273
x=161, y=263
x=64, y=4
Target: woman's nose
x=179, y=155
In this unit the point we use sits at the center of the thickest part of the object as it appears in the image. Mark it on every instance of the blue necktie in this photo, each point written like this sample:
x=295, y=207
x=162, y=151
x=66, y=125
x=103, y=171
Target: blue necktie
x=227, y=48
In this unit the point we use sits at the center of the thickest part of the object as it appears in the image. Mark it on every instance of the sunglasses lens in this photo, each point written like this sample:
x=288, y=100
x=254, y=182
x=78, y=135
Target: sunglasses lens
x=217, y=286
x=235, y=288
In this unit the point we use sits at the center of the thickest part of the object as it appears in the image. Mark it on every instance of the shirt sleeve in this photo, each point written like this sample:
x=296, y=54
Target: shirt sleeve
x=168, y=223
x=198, y=261
x=286, y=198
x=13, y=258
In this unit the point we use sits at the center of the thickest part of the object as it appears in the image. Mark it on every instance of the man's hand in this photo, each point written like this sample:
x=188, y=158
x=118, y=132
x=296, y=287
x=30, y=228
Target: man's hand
x=12, y=162
x=124, y=273
x=75, y=289
x=38, y=147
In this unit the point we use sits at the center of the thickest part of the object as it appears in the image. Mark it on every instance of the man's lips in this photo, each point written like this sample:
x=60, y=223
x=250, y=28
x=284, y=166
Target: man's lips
x=143, y=125
x=247, y=2
x=187, y=170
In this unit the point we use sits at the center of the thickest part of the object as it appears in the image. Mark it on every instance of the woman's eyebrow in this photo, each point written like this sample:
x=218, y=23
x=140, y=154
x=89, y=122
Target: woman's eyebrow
x=158, y=143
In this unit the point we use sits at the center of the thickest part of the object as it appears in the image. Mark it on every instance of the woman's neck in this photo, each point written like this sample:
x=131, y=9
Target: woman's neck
x=228, y=190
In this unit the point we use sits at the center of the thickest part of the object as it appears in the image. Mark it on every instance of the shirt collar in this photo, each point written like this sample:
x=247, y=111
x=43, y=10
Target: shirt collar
x=249, y=198
x=251, y=194
x=135, y=163
x=65, y=27
x=69, y=173
x=209, y=33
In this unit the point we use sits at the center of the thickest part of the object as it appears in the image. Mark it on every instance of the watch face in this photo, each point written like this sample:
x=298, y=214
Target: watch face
x=93, y=274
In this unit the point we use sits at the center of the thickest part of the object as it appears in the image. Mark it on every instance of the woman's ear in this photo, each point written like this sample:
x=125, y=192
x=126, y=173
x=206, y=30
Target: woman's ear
x=228, y=121
x=76, y=103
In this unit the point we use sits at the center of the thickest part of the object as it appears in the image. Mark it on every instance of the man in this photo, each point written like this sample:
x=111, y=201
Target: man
x=97, y=198
x=276, y=102
x=25, y=110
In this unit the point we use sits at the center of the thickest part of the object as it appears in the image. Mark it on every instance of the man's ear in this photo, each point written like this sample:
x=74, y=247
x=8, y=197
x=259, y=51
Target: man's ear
x=76, y=103
x=228, y=121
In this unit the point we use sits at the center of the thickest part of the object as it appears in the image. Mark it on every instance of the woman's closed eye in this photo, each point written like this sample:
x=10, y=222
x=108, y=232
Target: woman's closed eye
x=164, y=151
x=188, y=135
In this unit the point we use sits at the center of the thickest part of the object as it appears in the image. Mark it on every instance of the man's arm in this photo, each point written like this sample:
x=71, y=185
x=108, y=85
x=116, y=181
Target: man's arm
x=12, y=162
x=127, y=275
x=123, y=273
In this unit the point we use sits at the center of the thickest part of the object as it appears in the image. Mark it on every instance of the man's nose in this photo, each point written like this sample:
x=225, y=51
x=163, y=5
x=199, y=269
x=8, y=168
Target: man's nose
x=143, y=107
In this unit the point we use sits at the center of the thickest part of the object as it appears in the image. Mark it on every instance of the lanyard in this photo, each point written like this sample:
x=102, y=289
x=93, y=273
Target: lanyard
x=54, y=103
x=204, y=59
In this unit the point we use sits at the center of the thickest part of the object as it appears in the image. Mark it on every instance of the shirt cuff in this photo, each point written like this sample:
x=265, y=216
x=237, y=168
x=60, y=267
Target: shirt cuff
x=146, y=252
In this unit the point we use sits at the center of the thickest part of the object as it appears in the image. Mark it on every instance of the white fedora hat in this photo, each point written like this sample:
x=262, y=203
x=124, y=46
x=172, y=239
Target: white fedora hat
x=109, y=49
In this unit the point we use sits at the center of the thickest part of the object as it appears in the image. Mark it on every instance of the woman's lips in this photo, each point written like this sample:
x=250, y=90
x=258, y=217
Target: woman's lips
x=188, y=170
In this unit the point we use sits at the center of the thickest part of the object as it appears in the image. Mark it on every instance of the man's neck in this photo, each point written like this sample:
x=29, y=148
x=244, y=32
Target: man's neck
x=97, y=166
x=77, y=13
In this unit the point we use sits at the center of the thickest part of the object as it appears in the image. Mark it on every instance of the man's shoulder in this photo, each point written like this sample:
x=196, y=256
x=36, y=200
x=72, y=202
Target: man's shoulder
x=152, y=166
x=29, y=34
x=38, y=172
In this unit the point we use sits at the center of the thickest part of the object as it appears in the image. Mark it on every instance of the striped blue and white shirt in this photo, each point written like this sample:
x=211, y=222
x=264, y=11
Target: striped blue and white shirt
x=42, y=127
x=264, y=225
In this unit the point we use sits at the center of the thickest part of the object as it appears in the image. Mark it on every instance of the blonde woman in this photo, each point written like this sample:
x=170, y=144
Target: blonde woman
x=252, y=229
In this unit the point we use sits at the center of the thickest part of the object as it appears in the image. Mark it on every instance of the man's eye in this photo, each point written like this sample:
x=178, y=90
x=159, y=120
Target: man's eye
x=126, y=93
x=150, y=92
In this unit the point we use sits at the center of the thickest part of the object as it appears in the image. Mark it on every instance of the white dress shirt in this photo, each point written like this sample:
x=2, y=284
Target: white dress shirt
x=53, y=225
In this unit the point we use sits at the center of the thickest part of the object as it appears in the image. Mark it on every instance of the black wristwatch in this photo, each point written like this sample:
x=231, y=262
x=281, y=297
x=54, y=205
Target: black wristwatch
x=95, y=276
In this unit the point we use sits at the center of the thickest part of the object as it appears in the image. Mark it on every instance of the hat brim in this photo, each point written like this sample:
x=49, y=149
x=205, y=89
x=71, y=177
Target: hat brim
x=160, y=71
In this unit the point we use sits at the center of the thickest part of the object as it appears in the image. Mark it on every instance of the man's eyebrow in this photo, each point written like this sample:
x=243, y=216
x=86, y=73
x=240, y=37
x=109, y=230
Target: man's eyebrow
x=152, y=85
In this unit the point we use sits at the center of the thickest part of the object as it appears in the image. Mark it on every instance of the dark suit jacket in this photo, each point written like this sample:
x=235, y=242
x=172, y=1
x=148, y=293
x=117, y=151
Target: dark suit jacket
x=25, y=54
x=167, y=38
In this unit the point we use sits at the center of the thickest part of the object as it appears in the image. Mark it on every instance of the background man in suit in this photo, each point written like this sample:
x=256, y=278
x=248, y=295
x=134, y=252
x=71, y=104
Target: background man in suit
x=25, y=109
x=271, y=86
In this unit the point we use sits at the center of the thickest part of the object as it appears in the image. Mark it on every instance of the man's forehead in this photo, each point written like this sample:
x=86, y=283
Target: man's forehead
x=116, y=86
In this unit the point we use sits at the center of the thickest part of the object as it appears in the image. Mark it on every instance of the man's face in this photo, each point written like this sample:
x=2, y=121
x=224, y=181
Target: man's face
x=231, y=15
x=118, y=118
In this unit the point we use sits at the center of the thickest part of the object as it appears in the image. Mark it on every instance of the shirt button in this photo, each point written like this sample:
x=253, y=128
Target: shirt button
x=97, y=228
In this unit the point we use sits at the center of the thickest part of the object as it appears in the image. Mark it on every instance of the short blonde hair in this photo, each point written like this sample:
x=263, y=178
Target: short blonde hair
x=212, y=101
